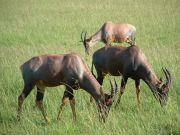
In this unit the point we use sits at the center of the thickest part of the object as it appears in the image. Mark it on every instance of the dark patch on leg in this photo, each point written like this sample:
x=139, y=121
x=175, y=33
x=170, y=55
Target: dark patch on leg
x=39, y=96
x=123, y=84
x=39, y=103
x=69, y=93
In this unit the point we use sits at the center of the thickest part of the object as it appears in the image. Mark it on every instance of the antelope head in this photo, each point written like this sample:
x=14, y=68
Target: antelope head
x=162, y=88
x=109, y=98
x=85, y=42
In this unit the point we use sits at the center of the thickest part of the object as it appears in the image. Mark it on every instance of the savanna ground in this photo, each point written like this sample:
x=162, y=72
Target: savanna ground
x=35, y=27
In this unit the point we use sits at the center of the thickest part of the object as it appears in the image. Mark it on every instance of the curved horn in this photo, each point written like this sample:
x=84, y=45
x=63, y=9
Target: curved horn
x=112, y=88
x=85, y=35
x=116, y=87
x=169, y=80
x=168, y=77
x=87, y=48
x=114, y=91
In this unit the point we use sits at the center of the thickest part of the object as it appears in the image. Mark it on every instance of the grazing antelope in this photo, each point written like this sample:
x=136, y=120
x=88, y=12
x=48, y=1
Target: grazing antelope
x=109, y=33
x=130, y=62
x=69, y=70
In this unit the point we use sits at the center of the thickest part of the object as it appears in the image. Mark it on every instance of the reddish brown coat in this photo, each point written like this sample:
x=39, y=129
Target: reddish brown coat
x=64, y=69
x=130, y=62
x=111, y=32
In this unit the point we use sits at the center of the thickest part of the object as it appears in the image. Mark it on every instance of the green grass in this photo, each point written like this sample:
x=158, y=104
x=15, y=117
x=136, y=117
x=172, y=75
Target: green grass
x=35, y=27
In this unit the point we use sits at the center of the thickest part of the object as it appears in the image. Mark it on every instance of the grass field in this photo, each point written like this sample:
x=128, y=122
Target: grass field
x=35, y=27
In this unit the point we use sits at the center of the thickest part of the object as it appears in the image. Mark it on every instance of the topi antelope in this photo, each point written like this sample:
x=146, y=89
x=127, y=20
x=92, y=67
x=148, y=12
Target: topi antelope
x=69, y=70
x=130, y=62
x=109, y=33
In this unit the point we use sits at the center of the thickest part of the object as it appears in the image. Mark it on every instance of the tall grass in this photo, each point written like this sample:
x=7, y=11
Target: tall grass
x=30, y=28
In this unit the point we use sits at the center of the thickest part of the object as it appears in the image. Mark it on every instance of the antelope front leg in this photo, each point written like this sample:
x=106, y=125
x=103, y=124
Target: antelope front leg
x=138, y=95
x=65, y=100
x=123, y=84
x=72, y=103
x=137, y=84
x=120, y=95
